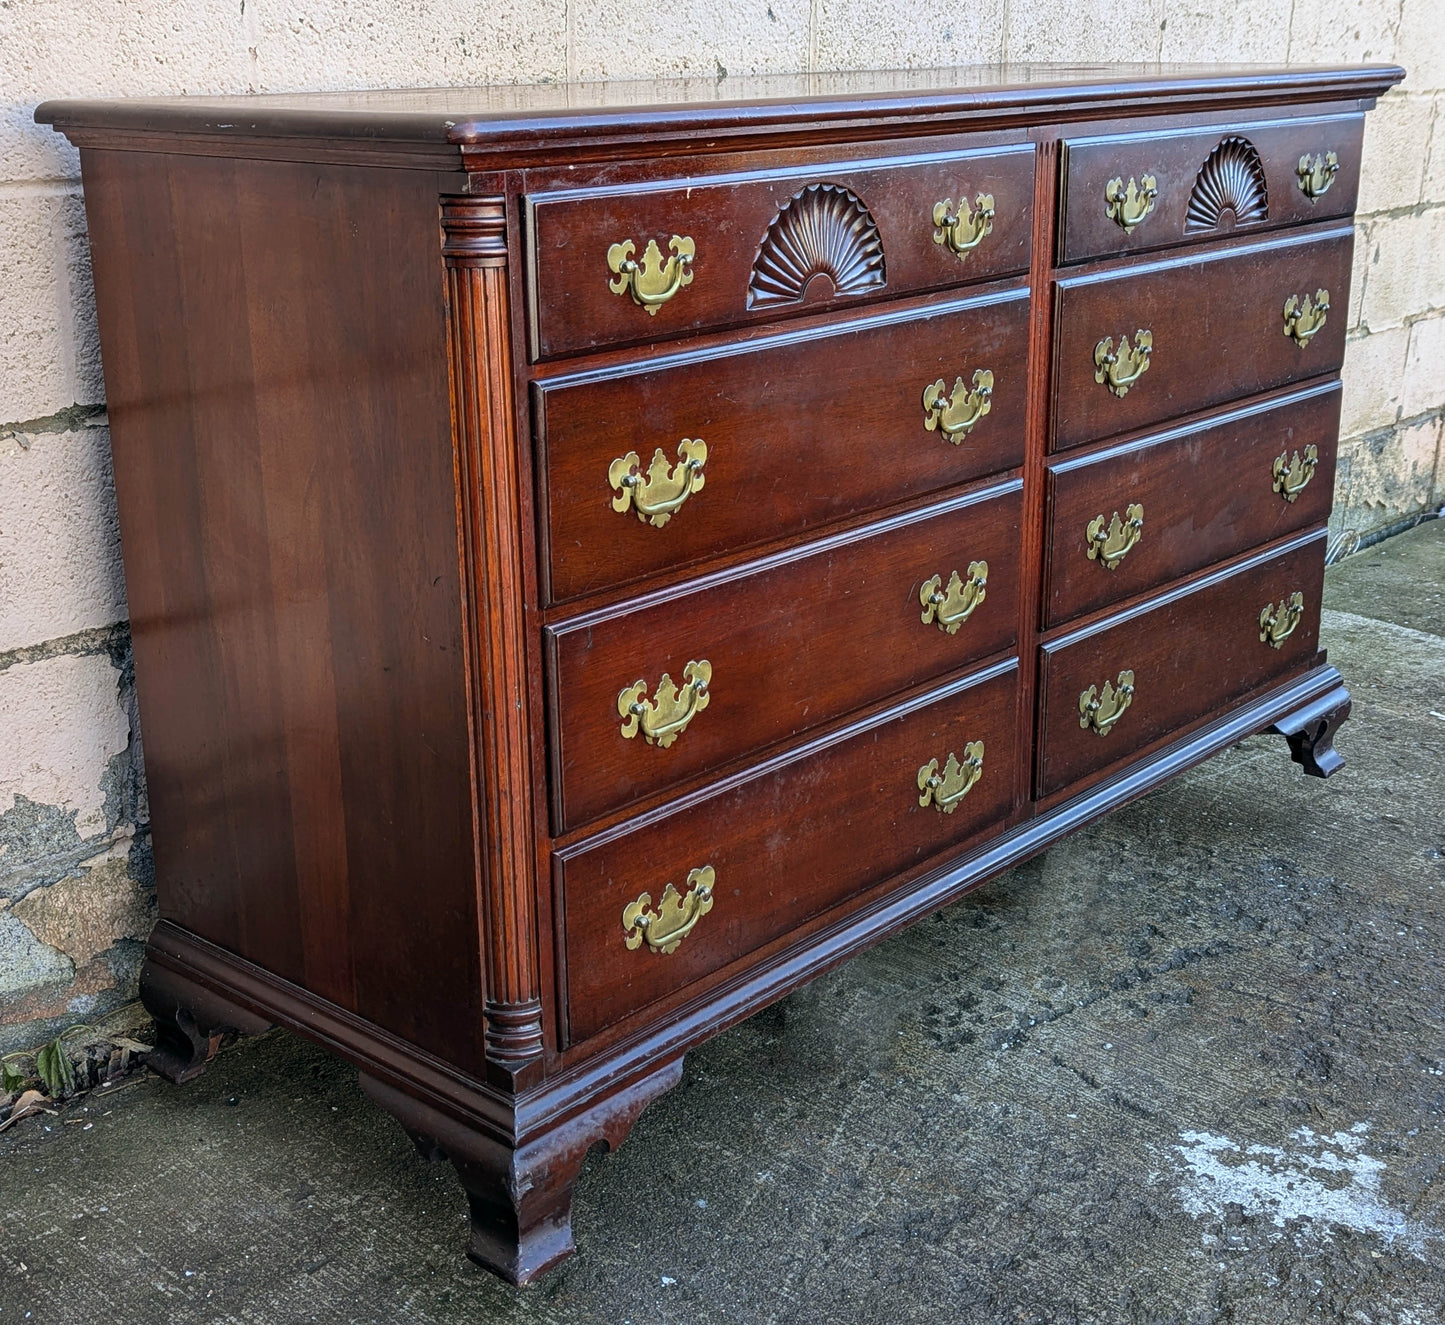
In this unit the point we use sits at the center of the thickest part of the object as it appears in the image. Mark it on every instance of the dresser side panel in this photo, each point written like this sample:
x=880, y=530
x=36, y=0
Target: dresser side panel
x=274, y=338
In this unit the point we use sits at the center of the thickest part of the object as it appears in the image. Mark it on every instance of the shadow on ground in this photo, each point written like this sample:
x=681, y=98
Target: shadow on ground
x=1187, y=1067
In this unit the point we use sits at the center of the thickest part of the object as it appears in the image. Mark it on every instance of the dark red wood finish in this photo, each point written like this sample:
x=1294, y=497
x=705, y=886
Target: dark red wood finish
x=1217, y=315
x=1176, y=160
x=852, y=802
x=382, y=609
x=1208, y=493
x=794, y=641
x=1192, y=651
x=495, y=586
x=802, y=428
x=574, y=309
x=276, y=354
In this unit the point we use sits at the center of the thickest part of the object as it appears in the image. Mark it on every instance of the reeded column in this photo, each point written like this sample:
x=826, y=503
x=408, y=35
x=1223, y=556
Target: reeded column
x=475, y=250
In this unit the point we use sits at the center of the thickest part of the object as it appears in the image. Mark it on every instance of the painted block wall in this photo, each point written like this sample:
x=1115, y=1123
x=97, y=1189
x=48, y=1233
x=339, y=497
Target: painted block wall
x=76, y=896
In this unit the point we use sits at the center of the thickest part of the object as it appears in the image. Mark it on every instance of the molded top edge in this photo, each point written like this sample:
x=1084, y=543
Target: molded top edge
x=508, y=116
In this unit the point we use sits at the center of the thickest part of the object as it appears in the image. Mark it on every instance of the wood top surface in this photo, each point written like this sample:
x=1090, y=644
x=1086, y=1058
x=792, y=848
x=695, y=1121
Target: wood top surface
x=499, y=115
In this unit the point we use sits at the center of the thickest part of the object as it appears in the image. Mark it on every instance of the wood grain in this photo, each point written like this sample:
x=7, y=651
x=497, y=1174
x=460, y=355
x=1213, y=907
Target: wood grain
x=851, y=806
x=1218, y=324
x=1175, y=161
x=475, y=249
x=1193, y=652
x=794, y=642
x=1033, y=550
x=275, y=346
x=574, y=309
x=383, y=610
x=1207, y=489
x=801, y=430
x=513, y=127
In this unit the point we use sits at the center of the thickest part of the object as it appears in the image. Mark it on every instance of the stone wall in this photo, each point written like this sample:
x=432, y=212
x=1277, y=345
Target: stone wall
x=75, y=891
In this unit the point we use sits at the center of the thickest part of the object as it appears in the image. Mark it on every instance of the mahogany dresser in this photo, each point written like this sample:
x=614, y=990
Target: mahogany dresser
x=600, y=555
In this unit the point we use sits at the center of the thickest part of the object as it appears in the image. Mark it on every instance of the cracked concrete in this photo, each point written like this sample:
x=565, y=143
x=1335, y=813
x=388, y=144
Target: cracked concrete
x=1185, y=1068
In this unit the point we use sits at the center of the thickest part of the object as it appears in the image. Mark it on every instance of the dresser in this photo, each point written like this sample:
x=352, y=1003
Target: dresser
x=599, y=556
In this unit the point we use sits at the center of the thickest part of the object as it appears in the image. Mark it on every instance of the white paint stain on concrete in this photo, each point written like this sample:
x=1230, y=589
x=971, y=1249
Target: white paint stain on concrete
x=1328, y=1180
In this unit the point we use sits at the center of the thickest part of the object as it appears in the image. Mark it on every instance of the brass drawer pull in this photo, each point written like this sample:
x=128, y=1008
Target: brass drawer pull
x=956, y=414
x=963, y=231
x=1278, y=623
x=664, y=489
x=1120, y=369
x=1130, y=205
x=676, y=915
x=1110, y=543
x=1292, y=474
x=949, y=608
x=945, y=790
x=1303, y=318
x=1101, y=712
x=662, y=719
x=1316, y=176
x=651, y=282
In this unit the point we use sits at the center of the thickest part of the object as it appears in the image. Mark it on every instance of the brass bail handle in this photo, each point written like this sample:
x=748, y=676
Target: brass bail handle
x=1120, y=369
x=659, y=494
x=949, y=607
x=1278, y=623
x=654, y=280
x=1128, y=204
x=1109, y=542
x=1316, y=174
x=1101, y=710
x=1304, y=318
x=963, y=231
x=956, y=414
x=675, y=916
x=944, y=790
x=663, y=718
x=1292, y=474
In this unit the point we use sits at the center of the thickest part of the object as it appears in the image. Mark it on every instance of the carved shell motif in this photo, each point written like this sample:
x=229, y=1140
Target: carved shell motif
x=1230, y=180
x=822, y=228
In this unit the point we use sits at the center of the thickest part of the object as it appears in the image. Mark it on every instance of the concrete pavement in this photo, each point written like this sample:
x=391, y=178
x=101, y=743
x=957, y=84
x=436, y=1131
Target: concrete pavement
x=1187, y=1067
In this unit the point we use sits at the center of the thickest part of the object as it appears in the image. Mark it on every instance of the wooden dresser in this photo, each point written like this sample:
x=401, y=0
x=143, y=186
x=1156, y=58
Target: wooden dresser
x=600, y=555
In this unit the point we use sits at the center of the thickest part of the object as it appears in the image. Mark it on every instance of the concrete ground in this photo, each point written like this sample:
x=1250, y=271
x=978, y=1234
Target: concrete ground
x=1187, y=1067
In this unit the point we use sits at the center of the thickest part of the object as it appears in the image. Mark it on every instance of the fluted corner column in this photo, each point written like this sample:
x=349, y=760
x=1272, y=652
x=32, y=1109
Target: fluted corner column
x=474, y=248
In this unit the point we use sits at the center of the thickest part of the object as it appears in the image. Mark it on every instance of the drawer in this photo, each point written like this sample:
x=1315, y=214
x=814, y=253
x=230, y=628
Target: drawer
x=1219, y=327
x=783, y=844
x=799, y=428
x=731, y=250
x=1190, y=653
x=793, y=642
x=1200, y=184
x=1201, y=492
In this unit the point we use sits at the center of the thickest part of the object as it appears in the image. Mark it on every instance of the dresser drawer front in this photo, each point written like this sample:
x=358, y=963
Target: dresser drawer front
x=1218, y=326
x=1204, y=492
x=799, y=429
x=1208, y=183
x=766, y=244
x=793, y=643
x=791, y=840
x=1191, y=653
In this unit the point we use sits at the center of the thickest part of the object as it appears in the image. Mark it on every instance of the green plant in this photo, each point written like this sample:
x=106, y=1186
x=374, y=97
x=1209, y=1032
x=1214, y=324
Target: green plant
x=12, y=1079
x=53, y=1066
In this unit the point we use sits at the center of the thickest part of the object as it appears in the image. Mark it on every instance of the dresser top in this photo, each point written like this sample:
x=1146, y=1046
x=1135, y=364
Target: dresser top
x=516, y=120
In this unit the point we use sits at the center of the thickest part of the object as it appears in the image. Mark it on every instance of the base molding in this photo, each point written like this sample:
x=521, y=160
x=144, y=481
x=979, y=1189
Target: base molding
x=521, y=1199
x=1311, y=730
x=518, y=1155
x=190, y=1020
